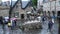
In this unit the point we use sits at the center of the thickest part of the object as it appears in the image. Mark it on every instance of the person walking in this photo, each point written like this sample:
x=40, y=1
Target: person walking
x=53, y=18
x=1, y=25
x=50, y=25
x=5, y=26
x=44, y=18
x=13, y=22
x=1, y=20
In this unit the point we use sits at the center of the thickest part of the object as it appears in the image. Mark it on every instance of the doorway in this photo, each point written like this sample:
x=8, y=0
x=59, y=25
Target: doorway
x=22, y=16
x=58, y=15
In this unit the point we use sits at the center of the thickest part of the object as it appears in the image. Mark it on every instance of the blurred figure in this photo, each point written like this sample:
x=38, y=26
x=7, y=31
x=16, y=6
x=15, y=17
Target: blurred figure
x=1, y=20
x=53, y=19
x=6, y=19
x=13, y=22
x=1, y=25
x=50, y=25
x=44, y=18
x=5, y=26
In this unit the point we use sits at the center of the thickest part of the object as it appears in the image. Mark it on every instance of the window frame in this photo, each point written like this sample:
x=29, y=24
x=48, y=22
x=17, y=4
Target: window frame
x=16, y=14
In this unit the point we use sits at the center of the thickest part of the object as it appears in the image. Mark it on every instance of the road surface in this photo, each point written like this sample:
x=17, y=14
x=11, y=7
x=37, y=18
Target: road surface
x=43, y=31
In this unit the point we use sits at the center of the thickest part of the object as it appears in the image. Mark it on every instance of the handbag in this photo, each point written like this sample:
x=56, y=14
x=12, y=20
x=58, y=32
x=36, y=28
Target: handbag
x=9, y=24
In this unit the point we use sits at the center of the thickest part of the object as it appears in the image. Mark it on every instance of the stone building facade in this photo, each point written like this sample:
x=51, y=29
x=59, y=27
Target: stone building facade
x=16, y=12
x=19, y=12
x=39, y=6
x=52, y=7
x=4, y=11
x=4, y=8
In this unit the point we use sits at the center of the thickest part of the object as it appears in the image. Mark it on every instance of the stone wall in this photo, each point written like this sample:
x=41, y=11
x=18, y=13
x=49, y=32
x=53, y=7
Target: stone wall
x=4, y=12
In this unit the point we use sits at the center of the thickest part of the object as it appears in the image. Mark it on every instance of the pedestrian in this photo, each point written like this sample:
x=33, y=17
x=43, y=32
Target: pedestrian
x=5, y=22
x=1, y=25
x=53, y=19
x=13, y=22
x=50, y=24
x=5, y=26
x=44, y=18
x=6, y=19
x=1, y=20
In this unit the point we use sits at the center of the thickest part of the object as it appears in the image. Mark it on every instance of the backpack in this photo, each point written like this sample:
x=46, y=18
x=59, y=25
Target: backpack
x=43, y=19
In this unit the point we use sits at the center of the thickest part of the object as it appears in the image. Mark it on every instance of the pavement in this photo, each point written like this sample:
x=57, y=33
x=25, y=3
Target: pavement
x=45, y=28
x=19, y=31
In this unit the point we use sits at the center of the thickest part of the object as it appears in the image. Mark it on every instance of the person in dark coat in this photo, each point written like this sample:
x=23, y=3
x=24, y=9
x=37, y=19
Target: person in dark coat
x=50, y=24
x=44, y=18
x=1, y=20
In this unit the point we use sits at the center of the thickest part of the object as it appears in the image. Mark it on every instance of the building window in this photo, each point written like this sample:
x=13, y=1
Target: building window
x=28, y=15
x=16, y=14
x=16, y=6
x=59, y=2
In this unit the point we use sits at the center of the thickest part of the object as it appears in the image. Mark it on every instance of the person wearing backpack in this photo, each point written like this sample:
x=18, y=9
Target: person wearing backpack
x=44, y=18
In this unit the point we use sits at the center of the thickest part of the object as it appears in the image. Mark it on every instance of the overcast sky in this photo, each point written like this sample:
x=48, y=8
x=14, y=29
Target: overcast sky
x=13, y=0
x=8, y=0
x=22, y=0
x=16, y=0
x=25, y=0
